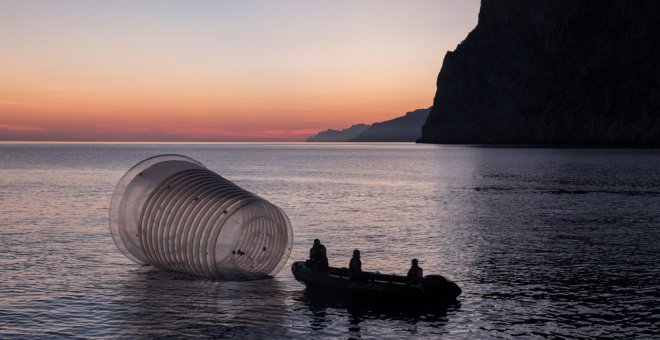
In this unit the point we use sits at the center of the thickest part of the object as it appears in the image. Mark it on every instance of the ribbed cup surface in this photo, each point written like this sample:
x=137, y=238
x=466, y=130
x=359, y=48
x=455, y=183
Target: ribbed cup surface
x=171, y=212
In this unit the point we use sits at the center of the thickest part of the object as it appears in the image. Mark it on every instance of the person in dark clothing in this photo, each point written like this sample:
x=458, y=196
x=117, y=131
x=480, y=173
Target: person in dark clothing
x=355, y=267
x=415, y=273
x=318, y=259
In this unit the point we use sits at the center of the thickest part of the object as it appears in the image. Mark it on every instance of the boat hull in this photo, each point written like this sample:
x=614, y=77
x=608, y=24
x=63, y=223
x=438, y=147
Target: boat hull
x=376, y=286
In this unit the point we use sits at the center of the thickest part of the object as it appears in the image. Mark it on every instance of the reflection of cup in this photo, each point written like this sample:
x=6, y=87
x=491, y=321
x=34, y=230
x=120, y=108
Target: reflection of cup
x=156, y=303
x=174, y=213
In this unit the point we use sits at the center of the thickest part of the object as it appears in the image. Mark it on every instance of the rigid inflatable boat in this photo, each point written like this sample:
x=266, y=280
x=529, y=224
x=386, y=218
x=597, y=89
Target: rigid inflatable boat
x=376, y=286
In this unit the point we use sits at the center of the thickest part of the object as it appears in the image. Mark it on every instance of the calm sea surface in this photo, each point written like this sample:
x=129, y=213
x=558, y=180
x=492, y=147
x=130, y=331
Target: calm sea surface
x=544, y=242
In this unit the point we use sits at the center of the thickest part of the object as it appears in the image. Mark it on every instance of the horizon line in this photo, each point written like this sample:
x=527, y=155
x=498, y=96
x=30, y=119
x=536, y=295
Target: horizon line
x=190, y=142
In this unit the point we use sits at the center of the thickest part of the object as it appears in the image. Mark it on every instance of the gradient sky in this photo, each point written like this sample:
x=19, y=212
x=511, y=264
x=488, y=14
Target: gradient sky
x=218, y=70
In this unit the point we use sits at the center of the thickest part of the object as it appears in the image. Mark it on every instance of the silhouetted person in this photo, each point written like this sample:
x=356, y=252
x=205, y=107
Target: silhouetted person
x=415, y=273
x=355, y=267
x=318, y=259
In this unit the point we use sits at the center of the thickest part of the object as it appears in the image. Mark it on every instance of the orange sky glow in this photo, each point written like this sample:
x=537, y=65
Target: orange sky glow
x=217, y=71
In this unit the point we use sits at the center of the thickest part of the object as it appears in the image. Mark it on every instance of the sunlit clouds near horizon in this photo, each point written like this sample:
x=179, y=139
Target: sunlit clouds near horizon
x=217, y=70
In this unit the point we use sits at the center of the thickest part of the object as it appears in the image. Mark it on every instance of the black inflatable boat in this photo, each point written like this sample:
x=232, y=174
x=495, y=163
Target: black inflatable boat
x=433, y=289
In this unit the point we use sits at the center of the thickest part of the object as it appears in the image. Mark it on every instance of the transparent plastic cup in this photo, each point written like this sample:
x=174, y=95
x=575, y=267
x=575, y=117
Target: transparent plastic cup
x=171, y=212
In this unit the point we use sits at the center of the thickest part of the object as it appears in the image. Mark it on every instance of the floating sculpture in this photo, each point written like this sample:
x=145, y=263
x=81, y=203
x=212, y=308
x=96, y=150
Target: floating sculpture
x=172, y=212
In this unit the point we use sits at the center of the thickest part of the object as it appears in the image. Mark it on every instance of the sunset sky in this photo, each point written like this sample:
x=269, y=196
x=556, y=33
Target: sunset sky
x=217, y=70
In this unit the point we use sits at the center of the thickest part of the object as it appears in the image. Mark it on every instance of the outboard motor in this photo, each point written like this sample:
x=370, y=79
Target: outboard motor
x=441, y=287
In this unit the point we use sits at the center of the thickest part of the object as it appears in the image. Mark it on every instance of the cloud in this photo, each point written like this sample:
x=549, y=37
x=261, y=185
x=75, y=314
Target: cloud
x=19, y=128
x=110, y=132
x=199, y=133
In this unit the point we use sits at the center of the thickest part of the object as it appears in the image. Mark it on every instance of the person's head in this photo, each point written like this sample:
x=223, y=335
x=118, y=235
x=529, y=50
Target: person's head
x=317, y=242
x=414, y=262
x=356, y=253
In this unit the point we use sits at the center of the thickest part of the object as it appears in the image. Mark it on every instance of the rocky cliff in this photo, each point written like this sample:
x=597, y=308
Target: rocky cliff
x=581, y=72
x=407, y=128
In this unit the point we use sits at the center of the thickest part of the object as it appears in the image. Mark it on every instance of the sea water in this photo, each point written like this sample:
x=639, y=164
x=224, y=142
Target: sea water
x=544, y=242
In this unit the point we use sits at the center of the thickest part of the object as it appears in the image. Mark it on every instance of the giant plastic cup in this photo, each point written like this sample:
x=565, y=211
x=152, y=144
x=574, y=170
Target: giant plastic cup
x=172, y=212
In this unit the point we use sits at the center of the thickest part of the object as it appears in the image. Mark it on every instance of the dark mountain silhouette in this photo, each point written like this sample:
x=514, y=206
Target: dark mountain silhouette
x=553, y=72
x=402, y=129
x=344, y=135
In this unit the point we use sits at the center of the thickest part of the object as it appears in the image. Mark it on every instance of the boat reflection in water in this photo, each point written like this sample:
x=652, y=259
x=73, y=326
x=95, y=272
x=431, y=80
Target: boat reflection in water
x=325, y=306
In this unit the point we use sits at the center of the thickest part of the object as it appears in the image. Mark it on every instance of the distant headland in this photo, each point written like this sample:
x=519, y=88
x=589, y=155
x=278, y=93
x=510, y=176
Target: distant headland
x=576, y=73
x=344, y=135
x=407, y=128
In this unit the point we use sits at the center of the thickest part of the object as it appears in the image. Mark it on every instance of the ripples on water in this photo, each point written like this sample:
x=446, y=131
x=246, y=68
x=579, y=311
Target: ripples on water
x=544, y=242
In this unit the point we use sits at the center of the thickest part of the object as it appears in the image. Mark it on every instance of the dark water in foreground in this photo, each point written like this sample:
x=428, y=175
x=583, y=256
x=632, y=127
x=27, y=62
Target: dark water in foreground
x=544, y=242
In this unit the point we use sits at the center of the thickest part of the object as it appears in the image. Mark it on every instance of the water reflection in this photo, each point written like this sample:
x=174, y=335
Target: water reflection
x=322, y=304
x=560, y=249
x=545, y=243
x=160, y=303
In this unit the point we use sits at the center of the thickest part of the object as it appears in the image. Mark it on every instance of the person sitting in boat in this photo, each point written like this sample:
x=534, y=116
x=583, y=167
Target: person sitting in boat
x=415, y=273
x=318, y=259
x=355, y=267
